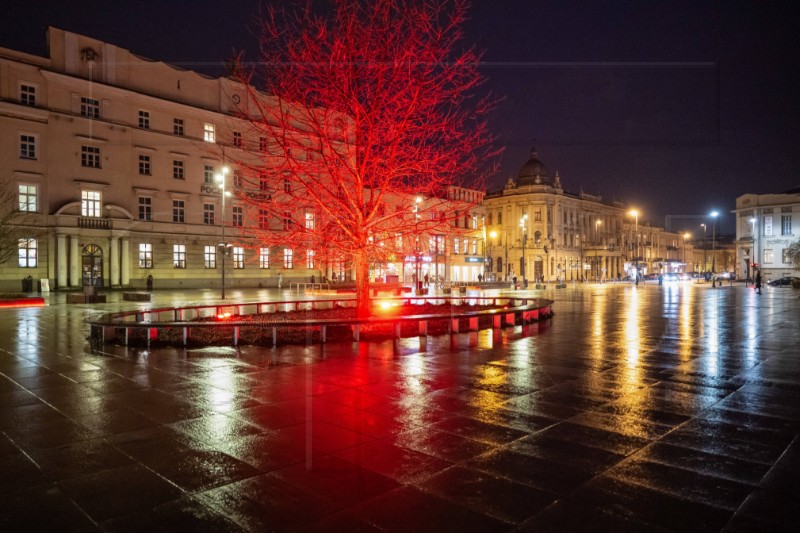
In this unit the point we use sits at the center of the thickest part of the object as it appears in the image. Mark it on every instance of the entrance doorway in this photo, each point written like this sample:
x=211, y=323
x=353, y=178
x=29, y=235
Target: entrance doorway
x=92, y=266
x=538, y=269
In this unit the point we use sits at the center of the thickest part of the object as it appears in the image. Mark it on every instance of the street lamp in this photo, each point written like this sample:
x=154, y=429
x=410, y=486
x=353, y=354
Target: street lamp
x=523, y=223
x=220, y=178
x=705, y=247
x=635, y=214
x=597, y=243
x=685, y=237
x=714, y=216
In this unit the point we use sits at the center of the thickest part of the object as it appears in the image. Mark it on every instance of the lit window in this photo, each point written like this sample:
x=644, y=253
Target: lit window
x=90, y=203
x=145, y=208
x=208, y=214
x=238, y=257
x=177, y=126
x=210, y=256
x=474, y=247
x=309, y=220
x=769, y=256
x=28, y=253
x=145, y=255
x=309, y=258
x=90, y=107
x=27, y=94
x=209, y=133
x=287, y=220
x=237, y=139
x=27, y=146
x=144, y=119
x=178, y=211
x=144, y=165
x=28, y=198
x=288, y=262
x=90, y=156
x=263, y=258
x=177, y=170
x=237, y=177
x=208, y=174
x=238, y=216
x=179, y=255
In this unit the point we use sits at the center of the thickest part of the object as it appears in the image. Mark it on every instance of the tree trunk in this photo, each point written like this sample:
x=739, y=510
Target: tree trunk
x=363, y=303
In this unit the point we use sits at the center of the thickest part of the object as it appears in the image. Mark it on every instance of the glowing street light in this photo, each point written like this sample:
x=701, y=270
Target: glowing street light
x=714, y=215
x=523, y=223
x=220, y=178
x=635, y=214
x=685, y=238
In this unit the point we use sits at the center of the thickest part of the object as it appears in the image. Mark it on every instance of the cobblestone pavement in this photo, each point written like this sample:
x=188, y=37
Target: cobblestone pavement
x=645, y=408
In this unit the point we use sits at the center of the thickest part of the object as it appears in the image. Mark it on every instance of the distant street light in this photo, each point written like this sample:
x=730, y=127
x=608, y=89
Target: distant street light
x=714, y=216
x=635, y=214
x=523, y=223
x=685, y=237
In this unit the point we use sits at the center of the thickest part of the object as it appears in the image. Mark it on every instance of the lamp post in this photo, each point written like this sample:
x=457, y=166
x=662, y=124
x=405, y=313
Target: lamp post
x=685, y=237
x=705, y=247
x=753, y=248
x=714, y=216
x=597, y=243
x=635, y=214
x=523, y=223
x=220, y=178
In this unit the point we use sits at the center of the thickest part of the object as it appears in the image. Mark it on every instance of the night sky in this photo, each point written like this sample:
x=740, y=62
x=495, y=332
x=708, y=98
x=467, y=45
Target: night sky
x=674, y=107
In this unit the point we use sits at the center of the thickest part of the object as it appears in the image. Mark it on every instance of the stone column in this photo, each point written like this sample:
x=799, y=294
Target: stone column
x=61, y=261
x=74, y=262
x=113, y=263
x=126, y=261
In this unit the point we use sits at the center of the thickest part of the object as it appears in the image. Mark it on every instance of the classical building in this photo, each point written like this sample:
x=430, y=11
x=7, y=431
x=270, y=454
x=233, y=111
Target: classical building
x=115, y=161
x=537, y=231
x=766, y=224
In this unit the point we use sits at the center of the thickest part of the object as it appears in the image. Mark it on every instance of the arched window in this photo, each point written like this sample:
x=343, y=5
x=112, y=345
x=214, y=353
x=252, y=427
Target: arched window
x=500, y=265
x=537, y=237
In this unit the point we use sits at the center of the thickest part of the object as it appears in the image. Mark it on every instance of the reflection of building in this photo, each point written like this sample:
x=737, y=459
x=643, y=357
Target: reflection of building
x=766, y=224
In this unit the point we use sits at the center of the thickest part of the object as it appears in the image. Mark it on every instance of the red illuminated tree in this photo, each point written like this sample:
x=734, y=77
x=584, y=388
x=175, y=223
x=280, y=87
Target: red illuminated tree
x=367, y=118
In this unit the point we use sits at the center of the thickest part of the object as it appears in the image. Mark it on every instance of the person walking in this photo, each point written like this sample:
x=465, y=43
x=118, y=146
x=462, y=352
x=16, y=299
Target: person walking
x=280, y=281
x=758, y=282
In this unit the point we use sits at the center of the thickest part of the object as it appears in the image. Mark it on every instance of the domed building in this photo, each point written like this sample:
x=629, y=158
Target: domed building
x=538, y=232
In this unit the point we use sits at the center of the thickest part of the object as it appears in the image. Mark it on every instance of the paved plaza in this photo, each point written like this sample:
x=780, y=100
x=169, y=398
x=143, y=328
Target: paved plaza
x=647, y=408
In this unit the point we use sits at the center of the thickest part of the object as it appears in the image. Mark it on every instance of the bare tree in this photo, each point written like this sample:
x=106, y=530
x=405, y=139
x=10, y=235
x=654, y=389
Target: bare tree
x=371, y=119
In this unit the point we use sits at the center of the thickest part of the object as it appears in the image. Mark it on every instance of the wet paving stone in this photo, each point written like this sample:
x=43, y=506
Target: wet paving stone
x=496, y=496
x=633, y=409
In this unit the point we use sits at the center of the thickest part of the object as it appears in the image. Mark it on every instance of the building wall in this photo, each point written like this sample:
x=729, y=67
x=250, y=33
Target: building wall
x=766, y=225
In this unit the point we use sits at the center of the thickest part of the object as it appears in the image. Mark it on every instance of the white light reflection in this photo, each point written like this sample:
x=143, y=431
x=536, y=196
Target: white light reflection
x=710, y=332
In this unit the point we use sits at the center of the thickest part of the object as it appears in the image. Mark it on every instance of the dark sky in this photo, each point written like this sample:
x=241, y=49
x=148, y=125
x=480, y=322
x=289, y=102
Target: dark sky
x=674, y=107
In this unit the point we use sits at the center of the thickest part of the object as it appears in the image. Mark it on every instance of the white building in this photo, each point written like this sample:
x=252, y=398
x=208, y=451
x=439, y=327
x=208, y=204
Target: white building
x=766, y=224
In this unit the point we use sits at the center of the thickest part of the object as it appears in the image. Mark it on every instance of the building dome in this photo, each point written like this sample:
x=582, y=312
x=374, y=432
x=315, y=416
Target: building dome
x=533, y=172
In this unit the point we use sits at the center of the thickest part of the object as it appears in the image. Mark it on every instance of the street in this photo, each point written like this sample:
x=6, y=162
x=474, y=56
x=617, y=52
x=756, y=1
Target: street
x=644, y=408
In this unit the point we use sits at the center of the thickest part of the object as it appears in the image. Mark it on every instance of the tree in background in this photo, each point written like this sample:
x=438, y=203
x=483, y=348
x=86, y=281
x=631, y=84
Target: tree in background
x=368, y=119
x=793, y=251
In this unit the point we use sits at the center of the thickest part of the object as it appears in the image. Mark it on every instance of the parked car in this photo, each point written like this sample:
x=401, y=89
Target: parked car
x=785, y=281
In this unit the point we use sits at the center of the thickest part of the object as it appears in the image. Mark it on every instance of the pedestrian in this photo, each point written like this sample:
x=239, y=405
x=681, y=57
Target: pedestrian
x=312, y=279
x=480, y=278
x=425, y=279
x=514, y=280
x=758, y=282
x=280, y=281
